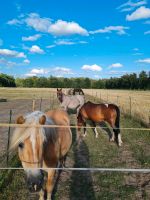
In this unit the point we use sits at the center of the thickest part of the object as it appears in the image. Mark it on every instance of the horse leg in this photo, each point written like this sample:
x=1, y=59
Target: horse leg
x=41, y=194
x=103, y=126
x=50, y=183
x=62, y=161
x=95, y=130
x=116, y=133
x=84, y=129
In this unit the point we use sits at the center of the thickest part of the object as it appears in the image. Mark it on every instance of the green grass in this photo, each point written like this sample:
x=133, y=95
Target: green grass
x=94, y=152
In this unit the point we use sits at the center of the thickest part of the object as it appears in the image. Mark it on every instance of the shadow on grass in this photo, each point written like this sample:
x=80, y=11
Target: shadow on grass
x=81, y=187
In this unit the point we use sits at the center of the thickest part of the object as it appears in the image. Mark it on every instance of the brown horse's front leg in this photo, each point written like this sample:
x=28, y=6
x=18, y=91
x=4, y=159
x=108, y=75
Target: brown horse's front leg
x=85, y=133
x=50, y=183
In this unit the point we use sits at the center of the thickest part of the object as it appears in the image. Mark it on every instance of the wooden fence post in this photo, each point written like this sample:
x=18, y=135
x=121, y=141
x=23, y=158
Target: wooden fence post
x=130, y=104
x=149, y=118
x=33, y=105
x=117, y=100
x=41, y=104
x=8, y=141
x=50, y=100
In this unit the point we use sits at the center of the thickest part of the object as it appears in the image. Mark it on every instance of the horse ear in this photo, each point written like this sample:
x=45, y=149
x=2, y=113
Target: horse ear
x=57, y=89
x=42, y=120
x=20, y=120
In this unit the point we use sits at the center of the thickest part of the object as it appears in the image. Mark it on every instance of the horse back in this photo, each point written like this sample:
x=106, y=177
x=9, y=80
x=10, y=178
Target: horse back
x=60, y=117
x=98, y=112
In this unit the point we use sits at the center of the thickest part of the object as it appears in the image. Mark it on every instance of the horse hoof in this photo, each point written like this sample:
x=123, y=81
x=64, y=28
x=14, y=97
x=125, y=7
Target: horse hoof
x=111, y=140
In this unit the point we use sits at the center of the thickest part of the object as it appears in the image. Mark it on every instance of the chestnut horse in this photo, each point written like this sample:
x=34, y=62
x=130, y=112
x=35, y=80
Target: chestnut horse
x=42, y=147
x=98, y=113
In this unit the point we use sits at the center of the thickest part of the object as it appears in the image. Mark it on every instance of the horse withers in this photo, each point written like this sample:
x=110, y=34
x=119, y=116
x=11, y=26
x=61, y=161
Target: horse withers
x=42, y=148
x=70, y=102
x=98, y=113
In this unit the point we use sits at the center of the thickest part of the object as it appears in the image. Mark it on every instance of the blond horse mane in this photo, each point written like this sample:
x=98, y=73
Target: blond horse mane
x=22, y=133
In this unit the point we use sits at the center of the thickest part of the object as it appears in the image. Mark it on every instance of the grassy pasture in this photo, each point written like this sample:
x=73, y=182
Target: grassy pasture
x=91, y=152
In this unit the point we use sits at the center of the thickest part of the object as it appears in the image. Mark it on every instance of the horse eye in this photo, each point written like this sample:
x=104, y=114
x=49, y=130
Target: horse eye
x=21, y=145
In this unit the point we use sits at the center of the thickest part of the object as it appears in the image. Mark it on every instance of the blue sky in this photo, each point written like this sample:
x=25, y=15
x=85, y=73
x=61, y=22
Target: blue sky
x=73, y=38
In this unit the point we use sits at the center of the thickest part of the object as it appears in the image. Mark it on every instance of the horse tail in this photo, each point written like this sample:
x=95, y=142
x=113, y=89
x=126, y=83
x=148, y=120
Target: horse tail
x=117, y=122
x=116, y=129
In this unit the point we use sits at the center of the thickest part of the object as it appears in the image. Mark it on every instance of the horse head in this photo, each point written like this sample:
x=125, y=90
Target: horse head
x=29, y=140
x=60, y=94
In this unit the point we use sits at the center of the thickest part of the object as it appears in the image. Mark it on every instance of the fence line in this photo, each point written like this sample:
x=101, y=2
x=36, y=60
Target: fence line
x=84, y=169
x=62, y=126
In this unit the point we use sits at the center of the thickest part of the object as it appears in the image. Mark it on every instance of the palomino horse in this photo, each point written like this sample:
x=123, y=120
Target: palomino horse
x=42, y=147
x=98, y=113
x=70, y=102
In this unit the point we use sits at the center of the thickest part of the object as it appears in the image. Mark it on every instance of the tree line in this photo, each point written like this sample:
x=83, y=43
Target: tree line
x=127, y=81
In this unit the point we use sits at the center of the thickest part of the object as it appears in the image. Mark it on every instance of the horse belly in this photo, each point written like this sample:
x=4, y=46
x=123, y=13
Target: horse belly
x=73, y=104
x=65, y=140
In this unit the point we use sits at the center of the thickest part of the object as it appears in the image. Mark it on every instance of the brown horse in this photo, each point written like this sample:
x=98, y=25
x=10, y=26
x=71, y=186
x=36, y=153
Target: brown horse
x=98, y=113
x=42, y=147
x=75, y=91
x=78, y=91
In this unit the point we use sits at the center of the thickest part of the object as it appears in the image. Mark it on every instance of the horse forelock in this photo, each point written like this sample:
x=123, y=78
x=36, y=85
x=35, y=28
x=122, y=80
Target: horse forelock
x=20, y=134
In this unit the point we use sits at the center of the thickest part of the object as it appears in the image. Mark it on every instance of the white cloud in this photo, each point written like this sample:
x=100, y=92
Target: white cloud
x=115, y=65
x=57, y=28
x=37, y=72
x=120, y=30
x=38, y=23
x=30, y=74
x=64, y=42
x=12, y=53
x=136, y=49
x=18, y=7
x=147, y=33
x=26, y=61
x=146, y=60
x=36, y=49
x=51, y=46
x=92, y=67
x=140, y=13
x=31, y=38
x=61, y=27
x=83, y=42
x=62, y=70
x=137, y=54
x=129, y=5
x=113, y=72
x=8, y=63
x=15, y=22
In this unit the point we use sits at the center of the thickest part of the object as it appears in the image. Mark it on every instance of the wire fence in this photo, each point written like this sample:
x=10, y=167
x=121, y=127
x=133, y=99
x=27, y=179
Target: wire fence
x=39, y=104
x=132, y=104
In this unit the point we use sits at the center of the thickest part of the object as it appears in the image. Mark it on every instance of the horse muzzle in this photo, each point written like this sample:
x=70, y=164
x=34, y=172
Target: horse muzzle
x=35, y=181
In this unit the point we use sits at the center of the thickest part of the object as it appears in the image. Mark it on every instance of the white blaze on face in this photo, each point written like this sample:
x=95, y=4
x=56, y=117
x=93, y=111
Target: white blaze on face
x=33, y=140
x=106, y=104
